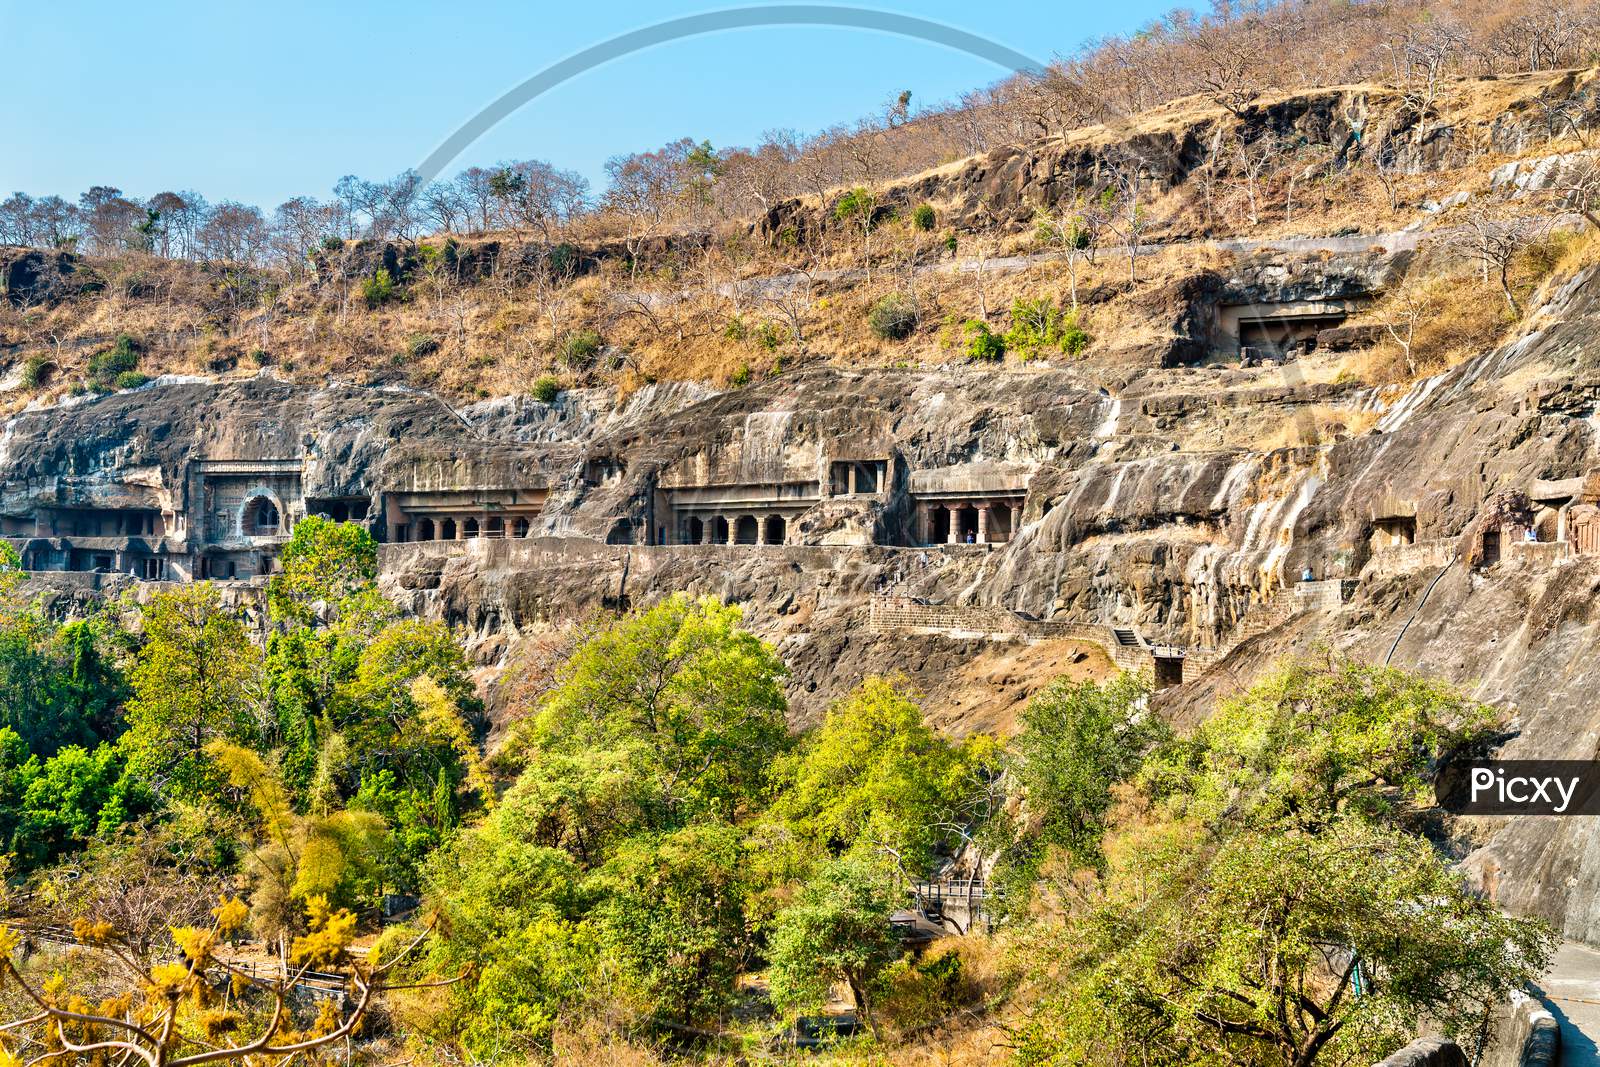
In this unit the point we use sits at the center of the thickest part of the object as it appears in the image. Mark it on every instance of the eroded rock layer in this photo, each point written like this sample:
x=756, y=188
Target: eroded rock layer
x=979, y=531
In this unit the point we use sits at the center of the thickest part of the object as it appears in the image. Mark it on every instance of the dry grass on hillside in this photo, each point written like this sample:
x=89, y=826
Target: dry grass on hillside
x=1315, y=424
x=1446, y=312
x=701, y=316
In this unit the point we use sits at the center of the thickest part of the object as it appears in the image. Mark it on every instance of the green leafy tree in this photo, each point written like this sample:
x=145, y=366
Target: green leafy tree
x=702, y=166
x=875, y=776
x=342, y=670
x=51, y=807
x=674, y=919
x=300, y=858
x=1267, y=947
x=837, y=931
x=412, y=700
x=1314, y=741
x=33, y=685
x=329, y=569
x=73, y=797
x=1079, y=740
x=196, y=678
x=585, y=802
x=59, y=684
x=513, y=910
x=678, y=698
x=1267, y=870
x=540, y=971
x=93, y=687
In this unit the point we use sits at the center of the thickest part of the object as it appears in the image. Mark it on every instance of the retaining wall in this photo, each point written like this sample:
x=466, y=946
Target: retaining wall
x=1539, y=552
x=1421, y=555
x=885, y=613
x=1325, y=595
x=1427, y=1052
x=1526, y=1035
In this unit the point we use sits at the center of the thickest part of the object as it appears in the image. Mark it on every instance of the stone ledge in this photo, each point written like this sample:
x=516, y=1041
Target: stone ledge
x=1427, y=1052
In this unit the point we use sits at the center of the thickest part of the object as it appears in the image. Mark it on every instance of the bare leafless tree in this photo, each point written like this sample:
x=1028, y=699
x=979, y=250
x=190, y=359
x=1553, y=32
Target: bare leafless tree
x=1406, y=308
x=1492, y=239
x=1577, y=187
x=1125, y=213
x=791, y=297
x=1073, y=230
x=644, y=186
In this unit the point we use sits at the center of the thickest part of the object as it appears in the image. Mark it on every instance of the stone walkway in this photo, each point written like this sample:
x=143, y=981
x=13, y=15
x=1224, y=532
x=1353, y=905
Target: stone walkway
x=1571, y=991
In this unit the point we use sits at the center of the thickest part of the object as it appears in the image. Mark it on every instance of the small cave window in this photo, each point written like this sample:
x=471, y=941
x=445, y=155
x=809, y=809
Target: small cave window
x=495, y=527
x=856, y=476
x=746, y=530
x=1394, y=531
x=777, y=529
x=261, y=517
x=425, y=530
x=469, y=528
x=520, y=527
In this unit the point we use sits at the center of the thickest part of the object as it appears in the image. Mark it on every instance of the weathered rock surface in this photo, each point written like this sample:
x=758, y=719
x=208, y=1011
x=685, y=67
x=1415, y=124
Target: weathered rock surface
x=1124, y=522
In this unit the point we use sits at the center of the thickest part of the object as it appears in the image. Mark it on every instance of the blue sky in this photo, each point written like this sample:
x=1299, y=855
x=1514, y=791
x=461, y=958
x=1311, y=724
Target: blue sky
x=261, y=102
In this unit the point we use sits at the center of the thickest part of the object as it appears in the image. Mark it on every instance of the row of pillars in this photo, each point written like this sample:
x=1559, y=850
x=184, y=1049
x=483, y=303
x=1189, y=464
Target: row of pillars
x=981, y=523
x=462, y=527
x=724, y=530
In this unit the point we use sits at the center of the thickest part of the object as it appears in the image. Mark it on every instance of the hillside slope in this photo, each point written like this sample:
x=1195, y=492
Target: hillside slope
x=1165, y=490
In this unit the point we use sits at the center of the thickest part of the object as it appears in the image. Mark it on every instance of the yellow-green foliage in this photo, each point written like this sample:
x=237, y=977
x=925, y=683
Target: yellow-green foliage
x=197, y=678
x=440, y=716
x=300, y=859
x=874, y=776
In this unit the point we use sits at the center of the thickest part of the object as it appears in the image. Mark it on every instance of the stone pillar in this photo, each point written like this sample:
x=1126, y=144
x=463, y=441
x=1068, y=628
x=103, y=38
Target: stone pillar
x=954, y=536
x=708, y=527
x=733, y=529
x=761, y=529
x=853, y=486
x=1016, y=521
x=461, y=527
x=983, y=524
x=1561, y=521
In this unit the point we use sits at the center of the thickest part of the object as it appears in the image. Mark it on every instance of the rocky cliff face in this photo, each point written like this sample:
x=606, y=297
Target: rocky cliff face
x=1169, y=145
x=1141, y=506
